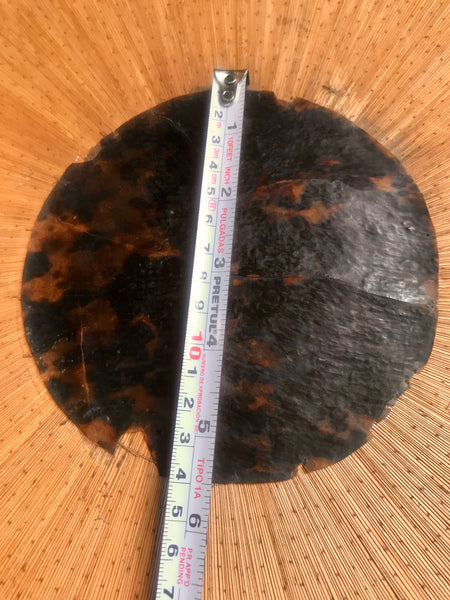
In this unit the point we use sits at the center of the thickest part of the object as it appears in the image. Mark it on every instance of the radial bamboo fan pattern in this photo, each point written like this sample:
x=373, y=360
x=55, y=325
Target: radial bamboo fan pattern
x=76, y=523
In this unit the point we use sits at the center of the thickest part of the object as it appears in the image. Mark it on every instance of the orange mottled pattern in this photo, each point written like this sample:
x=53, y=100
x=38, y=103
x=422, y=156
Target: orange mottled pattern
x=331, y=307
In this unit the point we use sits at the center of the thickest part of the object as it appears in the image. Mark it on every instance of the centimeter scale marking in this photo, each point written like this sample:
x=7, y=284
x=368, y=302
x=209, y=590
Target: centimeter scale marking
x=182, y=557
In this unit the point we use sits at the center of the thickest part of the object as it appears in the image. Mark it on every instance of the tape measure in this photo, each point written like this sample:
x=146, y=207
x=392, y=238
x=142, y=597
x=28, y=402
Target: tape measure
x=182, y=556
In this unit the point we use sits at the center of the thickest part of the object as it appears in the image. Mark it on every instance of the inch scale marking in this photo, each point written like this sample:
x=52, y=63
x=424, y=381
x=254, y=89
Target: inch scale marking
x=183, y=545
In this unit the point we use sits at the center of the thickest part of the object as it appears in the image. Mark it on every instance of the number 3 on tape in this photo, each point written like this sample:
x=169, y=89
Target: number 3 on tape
x=182, y=557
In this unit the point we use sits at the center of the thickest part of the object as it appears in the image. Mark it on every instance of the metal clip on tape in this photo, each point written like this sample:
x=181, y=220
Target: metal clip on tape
x=228, y=83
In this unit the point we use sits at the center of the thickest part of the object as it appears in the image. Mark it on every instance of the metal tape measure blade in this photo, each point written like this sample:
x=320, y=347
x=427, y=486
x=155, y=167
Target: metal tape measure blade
x=188, y=498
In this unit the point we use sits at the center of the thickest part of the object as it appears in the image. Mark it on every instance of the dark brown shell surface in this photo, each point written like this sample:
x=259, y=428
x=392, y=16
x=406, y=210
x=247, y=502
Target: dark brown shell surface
x=332, y=297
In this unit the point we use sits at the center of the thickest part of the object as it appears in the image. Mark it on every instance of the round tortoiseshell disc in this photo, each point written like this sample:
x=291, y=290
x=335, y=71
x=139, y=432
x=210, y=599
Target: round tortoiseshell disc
x=332, y=298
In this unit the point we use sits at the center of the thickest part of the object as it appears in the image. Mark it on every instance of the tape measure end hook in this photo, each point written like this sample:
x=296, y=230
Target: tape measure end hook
x=228, y=81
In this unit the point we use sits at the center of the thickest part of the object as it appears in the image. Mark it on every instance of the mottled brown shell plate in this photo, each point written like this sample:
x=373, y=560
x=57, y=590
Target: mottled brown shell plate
x=332, y=299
